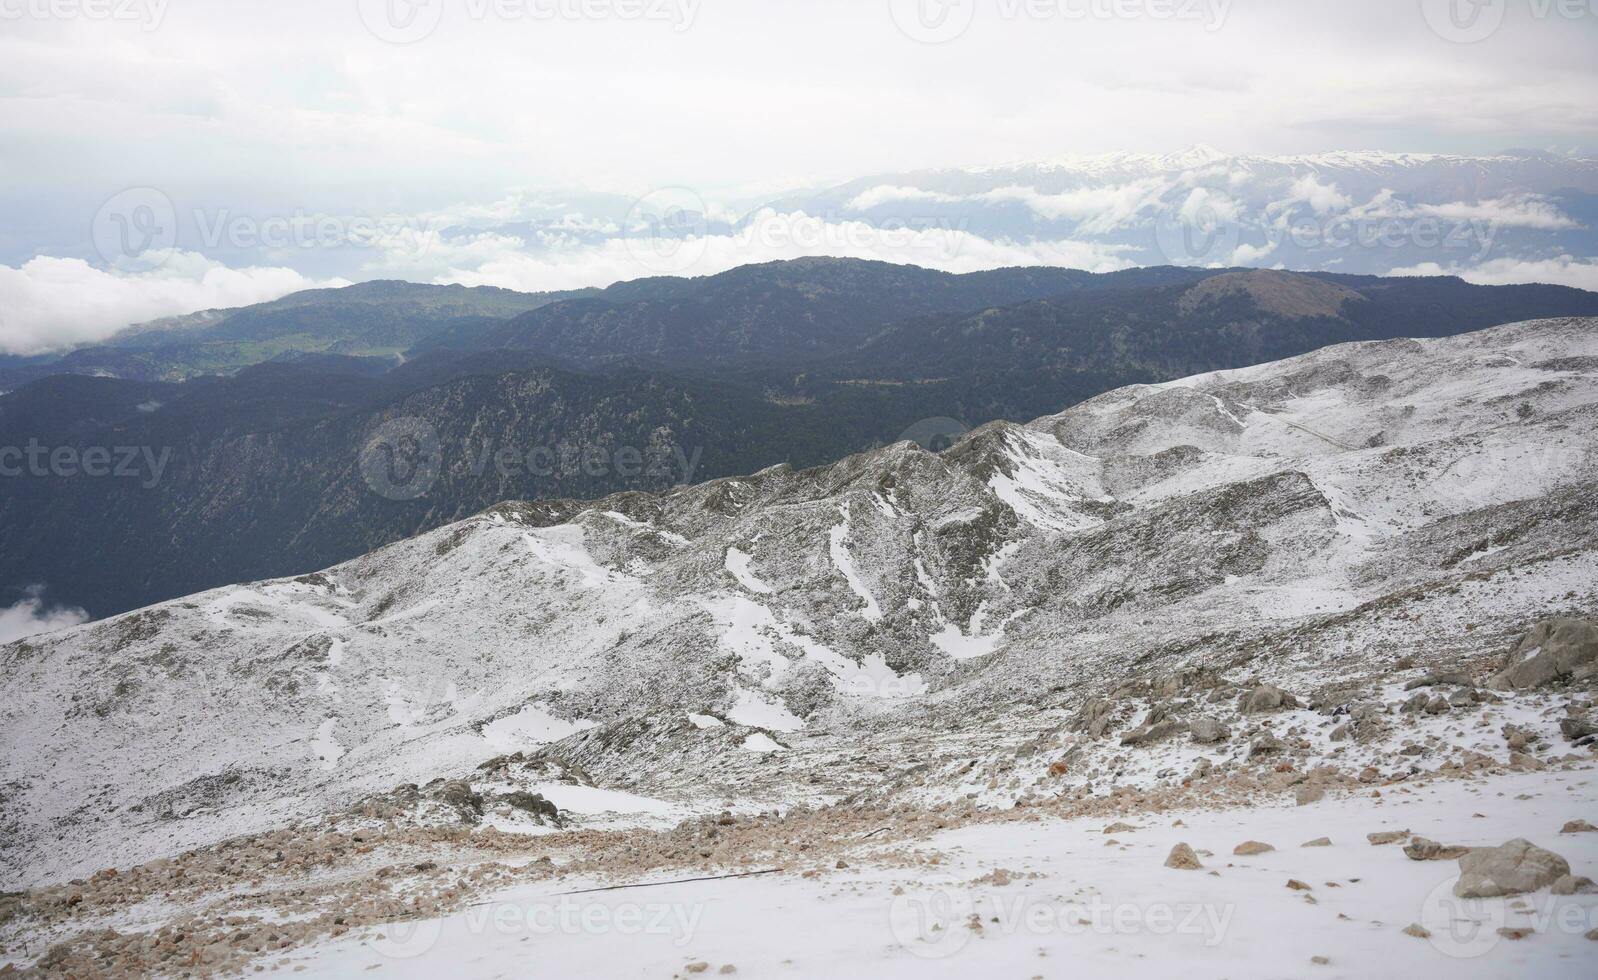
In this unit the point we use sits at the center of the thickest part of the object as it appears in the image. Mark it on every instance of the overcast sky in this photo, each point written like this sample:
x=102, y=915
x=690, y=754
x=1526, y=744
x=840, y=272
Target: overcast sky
x=285, y=106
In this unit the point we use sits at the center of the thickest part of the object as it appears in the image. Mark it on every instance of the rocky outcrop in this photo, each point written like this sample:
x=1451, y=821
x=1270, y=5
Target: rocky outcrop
x=1512, y=868
x=1266, y=697
x=1207, y=731
x=1554, y=651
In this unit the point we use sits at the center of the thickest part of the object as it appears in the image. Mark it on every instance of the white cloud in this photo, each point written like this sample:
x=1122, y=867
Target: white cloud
x=1515, y=211
x=1099, y=209
x=1204, y=205
x=30, y=617
x=769, y=236
x=53, y=303
x=892, y=194
x=1322, y=198
x=1246, y=254
x=1565, y=270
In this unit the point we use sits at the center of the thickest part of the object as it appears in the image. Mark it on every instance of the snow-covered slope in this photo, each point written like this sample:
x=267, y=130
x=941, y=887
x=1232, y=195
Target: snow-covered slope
x=900, y=624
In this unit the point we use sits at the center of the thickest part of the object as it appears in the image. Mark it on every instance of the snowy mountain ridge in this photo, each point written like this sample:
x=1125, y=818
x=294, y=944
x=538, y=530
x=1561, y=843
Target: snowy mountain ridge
x=910, y=625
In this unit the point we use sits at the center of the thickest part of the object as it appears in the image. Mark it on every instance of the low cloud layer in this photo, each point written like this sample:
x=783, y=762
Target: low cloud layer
x=30, y=617
x=50, y=304
x=768, y=236
x=1565, y=270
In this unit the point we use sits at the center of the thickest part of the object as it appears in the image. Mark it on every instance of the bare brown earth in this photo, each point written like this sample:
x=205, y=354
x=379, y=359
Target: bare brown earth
x=1274, y=292
x=243, y=904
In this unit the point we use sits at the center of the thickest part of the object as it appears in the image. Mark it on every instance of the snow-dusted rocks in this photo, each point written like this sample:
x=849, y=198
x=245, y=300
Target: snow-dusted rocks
x=1039, y=612
x=1555, y=650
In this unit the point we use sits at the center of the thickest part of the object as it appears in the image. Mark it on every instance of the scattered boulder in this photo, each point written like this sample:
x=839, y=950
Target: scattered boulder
x=1095, y=717
x=1577, y=729
x=1578, y=827
x=1149, y=734
x=1417, y=930
x=1516, y=933
x=1527, y=763
x=1555, y=650
x=458, y=793
x=1574, y=885
x=1298, y=886
x=1387, y=837
x=1182, y=858
x=1512, y=868
x=1309, y=793
x=1119, y=828
x=1266, y=744
x=533, y=803
x=1421, y=849
x=1318, y=842
x=1266, y=697
x=1207, y=731
x=1249, y=848
x=1518, y=738
x=1456, y=678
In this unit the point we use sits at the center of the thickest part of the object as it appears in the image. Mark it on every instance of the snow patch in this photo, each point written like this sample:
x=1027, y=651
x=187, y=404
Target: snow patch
x=529, y=728
x=839, y=537
x=738, y=564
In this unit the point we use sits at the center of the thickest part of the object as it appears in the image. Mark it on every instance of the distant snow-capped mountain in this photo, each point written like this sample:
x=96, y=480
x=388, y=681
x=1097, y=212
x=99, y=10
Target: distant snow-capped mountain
x=899, y=622
x=1515, y=216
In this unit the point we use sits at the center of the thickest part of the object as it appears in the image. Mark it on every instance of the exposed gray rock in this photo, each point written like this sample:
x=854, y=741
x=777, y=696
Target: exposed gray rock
x=1149, y=734
x=1574, y=885
x=1454, y=677
x=1555, y=650
x=1422, y=849
x=533, y=803
x=458, y=793
x=1309, y=793
x=1208, y=731
x=1095, y=717
x=1182, y=858
x=1266, y=744
x=1266, y=697
x=1512, y=868
x=1576, y=729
